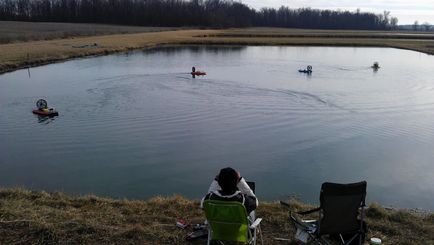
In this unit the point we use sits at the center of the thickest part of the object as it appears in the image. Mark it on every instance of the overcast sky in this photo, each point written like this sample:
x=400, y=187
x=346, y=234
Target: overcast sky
x=407, y=11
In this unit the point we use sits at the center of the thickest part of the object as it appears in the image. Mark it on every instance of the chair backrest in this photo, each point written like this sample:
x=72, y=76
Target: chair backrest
x=252, y=186
x=228, y=220
x=340, y=204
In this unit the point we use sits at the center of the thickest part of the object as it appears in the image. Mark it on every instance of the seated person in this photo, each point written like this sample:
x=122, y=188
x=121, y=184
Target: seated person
x=228, y=185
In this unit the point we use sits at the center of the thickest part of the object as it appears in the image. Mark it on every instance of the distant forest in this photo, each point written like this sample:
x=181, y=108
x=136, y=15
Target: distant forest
x=201, y=13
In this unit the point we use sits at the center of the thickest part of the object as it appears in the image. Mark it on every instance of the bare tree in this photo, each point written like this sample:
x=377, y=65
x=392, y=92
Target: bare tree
x=212, y=13
x=416, y=25
x=426, y=26
x=393, y=23
x=386, y=15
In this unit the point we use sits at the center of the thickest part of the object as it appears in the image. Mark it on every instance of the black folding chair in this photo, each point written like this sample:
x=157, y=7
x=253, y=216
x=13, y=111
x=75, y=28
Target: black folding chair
x=338, y=215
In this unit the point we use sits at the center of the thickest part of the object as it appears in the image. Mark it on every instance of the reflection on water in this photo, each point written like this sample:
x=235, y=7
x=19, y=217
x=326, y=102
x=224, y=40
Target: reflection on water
x=137, y=125
x=195, y=49
x=45, y=119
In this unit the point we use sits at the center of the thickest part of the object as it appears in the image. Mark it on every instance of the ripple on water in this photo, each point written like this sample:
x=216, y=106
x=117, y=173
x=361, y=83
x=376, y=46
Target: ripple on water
x=248, y=110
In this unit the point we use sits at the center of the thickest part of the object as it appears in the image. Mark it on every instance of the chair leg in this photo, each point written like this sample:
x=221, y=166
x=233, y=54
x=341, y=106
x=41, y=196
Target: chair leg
x=321, y=240
x=260, y=234
x=209, y=235
x=352, y=238
x=254, y=236
x=342, y=239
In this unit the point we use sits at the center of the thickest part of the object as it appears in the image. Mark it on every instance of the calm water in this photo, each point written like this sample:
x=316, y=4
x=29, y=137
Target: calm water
x=137, y=125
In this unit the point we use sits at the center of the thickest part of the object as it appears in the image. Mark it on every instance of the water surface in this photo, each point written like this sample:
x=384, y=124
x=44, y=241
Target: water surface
x=137, y=125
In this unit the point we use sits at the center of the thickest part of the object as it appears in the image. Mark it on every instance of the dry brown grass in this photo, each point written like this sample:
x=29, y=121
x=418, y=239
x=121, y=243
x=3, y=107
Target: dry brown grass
x=291, y=33
x=19, y=55
x=29, y=217
x=17, y=31
x=422, y=42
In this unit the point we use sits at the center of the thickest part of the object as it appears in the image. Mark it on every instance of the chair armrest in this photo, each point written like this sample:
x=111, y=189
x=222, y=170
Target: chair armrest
x=256, y=223
x=286, y=205
x=306, y=225
x=309, y=211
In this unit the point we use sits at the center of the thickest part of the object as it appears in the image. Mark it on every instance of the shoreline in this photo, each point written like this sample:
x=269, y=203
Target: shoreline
x=29, y=217
x=20, y=55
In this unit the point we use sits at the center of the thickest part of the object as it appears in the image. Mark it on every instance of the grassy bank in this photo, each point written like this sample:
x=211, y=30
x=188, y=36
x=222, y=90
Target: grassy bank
x=28, y=217
x=17, y=55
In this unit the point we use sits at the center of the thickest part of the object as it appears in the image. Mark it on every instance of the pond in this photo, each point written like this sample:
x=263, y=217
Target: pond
x=137, y=125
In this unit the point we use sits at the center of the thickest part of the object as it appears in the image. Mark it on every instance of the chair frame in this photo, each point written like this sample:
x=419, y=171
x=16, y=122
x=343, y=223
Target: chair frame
x=313, y=227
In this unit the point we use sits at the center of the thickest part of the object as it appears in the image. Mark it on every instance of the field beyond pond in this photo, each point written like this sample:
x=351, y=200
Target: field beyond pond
x=28, y=44
x=17, y=31
x=28, y=217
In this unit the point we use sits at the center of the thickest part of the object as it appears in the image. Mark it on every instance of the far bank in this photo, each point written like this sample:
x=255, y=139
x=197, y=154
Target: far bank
x=19, y=54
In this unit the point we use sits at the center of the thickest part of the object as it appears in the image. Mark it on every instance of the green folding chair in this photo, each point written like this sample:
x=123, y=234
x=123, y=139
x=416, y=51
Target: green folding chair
x=228, y=221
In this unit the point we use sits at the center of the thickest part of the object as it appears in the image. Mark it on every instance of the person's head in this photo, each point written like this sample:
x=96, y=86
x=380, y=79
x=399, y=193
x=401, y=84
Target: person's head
x=228, y=180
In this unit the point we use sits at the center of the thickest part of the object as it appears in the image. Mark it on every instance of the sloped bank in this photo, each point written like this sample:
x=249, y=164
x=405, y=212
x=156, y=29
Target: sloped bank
x=26, y=54
x=38, y=217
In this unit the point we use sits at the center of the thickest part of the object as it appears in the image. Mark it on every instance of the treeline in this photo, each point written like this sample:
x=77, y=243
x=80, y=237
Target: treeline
x=206, y=13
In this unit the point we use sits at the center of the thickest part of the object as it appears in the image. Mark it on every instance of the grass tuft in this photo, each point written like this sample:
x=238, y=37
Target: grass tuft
x=376, y=211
